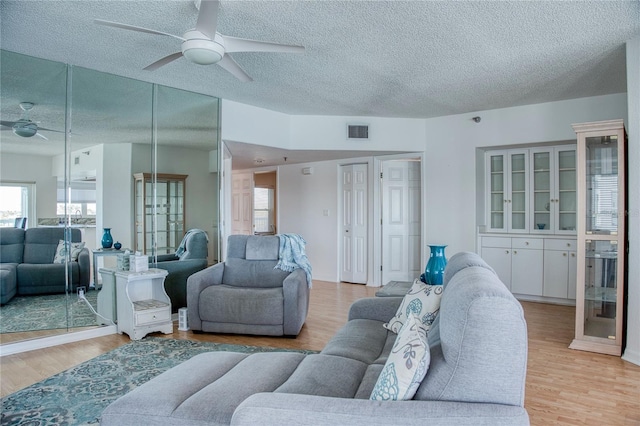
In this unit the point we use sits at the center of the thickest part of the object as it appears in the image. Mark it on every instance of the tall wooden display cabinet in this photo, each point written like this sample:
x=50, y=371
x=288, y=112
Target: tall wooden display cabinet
x=602, y=241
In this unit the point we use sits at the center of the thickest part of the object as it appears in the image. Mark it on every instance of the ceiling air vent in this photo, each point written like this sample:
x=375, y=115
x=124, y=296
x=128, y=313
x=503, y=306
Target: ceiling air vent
x=357, y=131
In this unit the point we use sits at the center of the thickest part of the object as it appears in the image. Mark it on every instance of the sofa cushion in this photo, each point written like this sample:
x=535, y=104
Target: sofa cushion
x=11, y=245
x=326, y=375
x=422, y=300
x=407, y=364
x=41, y=243
x=263, y=248
x=203, y=390
x=252, y=273
x=360, y=339
x=226, y=304
x=483, y=350
x=61, y=251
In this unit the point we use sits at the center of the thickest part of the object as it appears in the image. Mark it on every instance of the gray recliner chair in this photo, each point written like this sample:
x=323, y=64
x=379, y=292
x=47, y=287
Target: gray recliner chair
x=192, y=258
x=246, y=295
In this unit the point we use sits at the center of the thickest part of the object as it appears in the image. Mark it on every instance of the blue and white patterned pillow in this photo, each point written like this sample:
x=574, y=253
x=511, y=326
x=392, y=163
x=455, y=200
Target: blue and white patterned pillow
x=61, y=251
x=422, y=300
x=407, y=364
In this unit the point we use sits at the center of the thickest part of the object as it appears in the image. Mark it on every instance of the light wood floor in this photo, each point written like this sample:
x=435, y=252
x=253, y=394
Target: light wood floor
x=564, y=387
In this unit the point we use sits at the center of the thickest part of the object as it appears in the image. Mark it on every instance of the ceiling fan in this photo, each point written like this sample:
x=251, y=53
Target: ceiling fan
x=205, y=46
x=25, y=127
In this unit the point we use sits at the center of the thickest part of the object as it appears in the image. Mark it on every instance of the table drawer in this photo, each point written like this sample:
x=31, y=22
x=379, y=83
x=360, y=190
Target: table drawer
x=152, y=316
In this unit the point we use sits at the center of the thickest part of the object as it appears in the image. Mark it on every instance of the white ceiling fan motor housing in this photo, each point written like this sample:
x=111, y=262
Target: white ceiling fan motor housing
x=200, y=49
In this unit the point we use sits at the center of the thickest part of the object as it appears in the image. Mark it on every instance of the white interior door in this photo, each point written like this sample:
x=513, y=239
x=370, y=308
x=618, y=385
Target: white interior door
x=353, y=255
x=242, y=203
x=401, y=218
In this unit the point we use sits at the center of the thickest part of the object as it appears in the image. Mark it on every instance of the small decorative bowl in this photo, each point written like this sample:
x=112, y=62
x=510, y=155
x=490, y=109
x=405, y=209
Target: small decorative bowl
x=540, y=225
x=117, y=245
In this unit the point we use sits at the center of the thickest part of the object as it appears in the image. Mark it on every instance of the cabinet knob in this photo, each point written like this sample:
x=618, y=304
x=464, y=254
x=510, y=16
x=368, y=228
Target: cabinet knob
x=526, y=243
x=564, y=254
x=573, y=255
x=506, y=251
x=568, y=244
x=515, y=252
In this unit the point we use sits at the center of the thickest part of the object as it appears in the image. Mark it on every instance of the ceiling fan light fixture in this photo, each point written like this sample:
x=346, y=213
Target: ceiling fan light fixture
x=26, y=130
x=199, y=49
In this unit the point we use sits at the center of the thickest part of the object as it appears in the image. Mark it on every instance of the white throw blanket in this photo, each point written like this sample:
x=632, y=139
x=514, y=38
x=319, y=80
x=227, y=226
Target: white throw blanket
x=292, y=255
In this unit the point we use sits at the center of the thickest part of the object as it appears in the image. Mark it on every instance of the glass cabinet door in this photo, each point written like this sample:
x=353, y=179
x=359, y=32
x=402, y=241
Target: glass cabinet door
x=601, y=289
x=497, y=191
x=517, y=203
x=542, y=180
x=602, y=183
x=566, y=195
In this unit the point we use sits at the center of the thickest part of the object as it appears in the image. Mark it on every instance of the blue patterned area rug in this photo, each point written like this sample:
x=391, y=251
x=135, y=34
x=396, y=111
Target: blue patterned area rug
x=47, y=312
x=79, y=395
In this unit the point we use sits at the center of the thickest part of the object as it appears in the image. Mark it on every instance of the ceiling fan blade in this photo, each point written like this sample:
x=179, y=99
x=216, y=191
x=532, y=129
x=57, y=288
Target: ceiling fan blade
x=164, y=61
x=232, y=66
x=208, y=17
x=7, y=123
x=49, y=130
x=42, y=136
x=235, y=44
x=133, y=28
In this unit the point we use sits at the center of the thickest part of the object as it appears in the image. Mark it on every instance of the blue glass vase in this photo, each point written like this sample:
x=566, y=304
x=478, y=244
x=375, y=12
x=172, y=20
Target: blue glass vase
x=434, y=271
x=107, y=240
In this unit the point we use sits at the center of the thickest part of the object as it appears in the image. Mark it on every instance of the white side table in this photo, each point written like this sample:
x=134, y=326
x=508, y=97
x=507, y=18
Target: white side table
x=143, y=305
x=107, y=297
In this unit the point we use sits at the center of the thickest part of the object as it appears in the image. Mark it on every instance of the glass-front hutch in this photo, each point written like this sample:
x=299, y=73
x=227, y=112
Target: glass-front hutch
x=601, y=237
x=165, y=211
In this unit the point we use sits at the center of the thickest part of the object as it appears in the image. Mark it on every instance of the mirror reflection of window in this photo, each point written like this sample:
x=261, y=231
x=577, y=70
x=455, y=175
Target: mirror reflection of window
x=15, y=202
x=263, y=211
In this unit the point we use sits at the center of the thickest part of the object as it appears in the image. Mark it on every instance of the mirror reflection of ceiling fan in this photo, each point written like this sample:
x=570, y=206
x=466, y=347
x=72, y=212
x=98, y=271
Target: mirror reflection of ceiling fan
x=25, y=127
x=205, y=46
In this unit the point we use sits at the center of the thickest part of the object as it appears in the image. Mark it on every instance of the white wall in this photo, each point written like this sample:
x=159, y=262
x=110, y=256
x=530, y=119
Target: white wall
x=302, y=199
x=114, y=193
x=249, y=124
x=330, y=132
x=632, y=351
x=33, y=168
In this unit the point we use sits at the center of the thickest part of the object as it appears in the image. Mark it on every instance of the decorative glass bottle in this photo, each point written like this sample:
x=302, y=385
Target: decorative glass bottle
x=434, y=271
x=107, y=240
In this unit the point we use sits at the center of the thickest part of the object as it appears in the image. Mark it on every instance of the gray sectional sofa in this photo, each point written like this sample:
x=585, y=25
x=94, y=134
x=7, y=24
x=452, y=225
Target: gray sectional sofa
x=26, y=262
x=478, y=347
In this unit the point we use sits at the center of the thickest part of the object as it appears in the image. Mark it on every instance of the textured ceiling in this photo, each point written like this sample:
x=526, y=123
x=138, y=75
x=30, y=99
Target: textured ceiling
x=363, y=58
x=413, y=59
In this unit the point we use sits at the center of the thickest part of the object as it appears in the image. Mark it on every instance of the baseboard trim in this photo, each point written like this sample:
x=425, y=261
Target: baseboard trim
x=46, y=342
x=631, y=356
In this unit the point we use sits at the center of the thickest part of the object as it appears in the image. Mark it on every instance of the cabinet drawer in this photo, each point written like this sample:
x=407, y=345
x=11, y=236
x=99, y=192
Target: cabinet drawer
x=527, y=243
x=553, y=244
x=499, y=242
x=152, y=316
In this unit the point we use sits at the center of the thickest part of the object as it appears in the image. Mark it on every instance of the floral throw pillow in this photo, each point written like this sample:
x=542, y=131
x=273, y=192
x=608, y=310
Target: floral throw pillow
x=61, y=251
x=422, y=300
x=407, y=364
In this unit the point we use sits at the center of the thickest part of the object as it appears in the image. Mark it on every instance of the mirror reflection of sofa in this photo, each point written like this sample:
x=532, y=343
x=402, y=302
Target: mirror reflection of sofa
x=190, y=258
x=27, y=262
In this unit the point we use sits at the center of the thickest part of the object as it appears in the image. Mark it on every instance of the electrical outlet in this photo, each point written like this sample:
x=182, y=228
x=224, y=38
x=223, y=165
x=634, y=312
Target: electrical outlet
x=81, y=291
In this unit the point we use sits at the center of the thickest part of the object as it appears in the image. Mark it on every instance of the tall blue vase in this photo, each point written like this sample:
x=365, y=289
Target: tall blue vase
x=107, y=240
x=434, y=272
